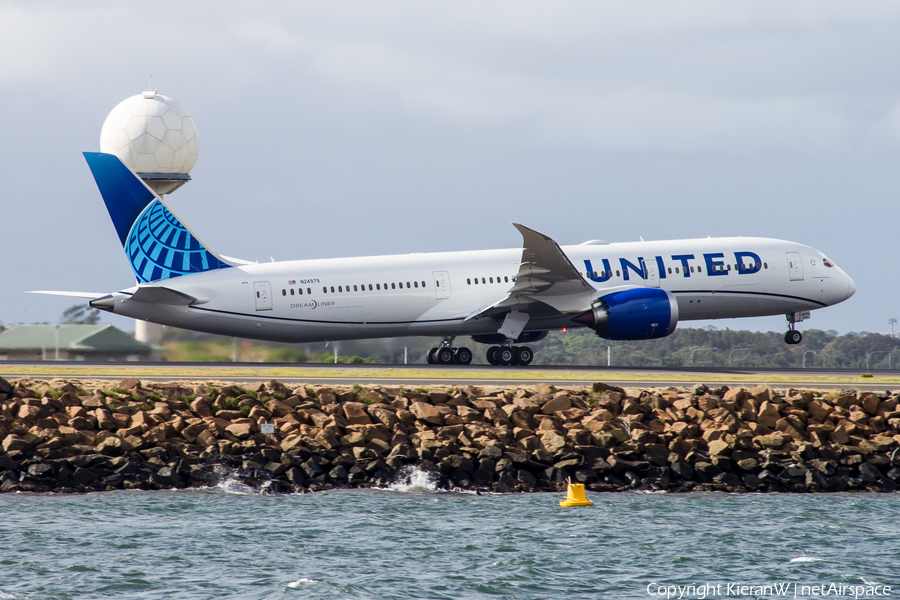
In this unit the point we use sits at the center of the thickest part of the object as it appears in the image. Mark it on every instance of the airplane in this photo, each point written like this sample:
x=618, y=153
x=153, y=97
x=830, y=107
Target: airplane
x=503, y=298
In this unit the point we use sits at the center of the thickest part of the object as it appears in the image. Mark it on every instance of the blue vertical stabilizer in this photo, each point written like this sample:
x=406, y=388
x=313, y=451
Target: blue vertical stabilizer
x=157, y=244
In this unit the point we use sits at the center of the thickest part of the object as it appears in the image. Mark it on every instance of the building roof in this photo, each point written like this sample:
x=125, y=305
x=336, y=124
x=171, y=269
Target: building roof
x=76, y=337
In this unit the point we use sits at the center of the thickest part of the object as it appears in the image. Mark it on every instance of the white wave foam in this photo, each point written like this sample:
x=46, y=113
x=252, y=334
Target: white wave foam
x=412, y=479
x=301, y=581
x=230, y=485
x=806, y=559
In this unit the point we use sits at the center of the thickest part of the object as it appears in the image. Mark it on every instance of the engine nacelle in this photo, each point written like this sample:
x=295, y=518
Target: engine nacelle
x=635, y=314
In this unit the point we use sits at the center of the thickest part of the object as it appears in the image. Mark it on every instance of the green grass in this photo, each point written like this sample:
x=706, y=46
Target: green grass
x=412, y=374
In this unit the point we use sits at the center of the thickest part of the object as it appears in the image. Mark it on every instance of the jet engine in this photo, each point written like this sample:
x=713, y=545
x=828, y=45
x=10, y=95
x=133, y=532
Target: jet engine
x=635, y=314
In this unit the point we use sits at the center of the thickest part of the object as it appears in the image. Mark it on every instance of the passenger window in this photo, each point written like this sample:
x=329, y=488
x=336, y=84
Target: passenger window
x=729, y=267
x=393, y=286
x=692, y=269
x=506, y=279
x=670, y=270
x=476, y=281
x=309, y=290
x=284, y=292
x=469, y=280
x=677, y=271
x=354, y=289
x=377, y=286
x=299, y=291
x=765, y=265
x=370, y=287
x=423, y=284
x=415, y=284
x=292, y=291
x=483, y=280
x=407, y=285
x=332, y=289
x=491, y=279
x=617, y=273
x=699, y=270
x=340, y=289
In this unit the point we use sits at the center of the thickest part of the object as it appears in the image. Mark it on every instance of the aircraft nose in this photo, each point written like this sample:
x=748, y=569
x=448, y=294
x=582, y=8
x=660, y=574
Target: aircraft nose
x=851, y=287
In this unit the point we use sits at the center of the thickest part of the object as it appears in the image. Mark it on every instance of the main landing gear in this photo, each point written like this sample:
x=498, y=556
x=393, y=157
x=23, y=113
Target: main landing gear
x=505, y=354
x=792, y=336
x=446, y=354
x=510, y=355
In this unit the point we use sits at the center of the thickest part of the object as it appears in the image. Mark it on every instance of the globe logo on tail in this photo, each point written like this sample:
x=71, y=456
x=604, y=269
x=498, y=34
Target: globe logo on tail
x=160, y=247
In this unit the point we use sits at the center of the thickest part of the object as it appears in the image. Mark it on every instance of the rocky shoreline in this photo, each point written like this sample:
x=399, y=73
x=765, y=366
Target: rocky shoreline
x=80, y=436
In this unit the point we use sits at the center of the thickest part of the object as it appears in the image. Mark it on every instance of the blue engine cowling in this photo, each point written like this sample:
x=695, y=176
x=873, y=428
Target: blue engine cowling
x=635, y=314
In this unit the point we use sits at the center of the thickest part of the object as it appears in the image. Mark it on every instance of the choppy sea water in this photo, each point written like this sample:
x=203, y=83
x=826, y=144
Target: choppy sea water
x=412, y=541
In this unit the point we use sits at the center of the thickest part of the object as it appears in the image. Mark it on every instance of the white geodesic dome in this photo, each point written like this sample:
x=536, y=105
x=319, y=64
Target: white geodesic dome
x=151, y=133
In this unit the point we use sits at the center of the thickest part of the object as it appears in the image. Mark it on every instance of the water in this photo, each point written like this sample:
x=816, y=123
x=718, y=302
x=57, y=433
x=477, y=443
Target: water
x=412, y=541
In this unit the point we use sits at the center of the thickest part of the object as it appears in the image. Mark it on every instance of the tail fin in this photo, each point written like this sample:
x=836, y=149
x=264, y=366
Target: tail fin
x=157, y=244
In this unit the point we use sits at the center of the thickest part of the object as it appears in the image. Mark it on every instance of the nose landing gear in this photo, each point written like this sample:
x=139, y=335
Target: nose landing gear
x=792, y=336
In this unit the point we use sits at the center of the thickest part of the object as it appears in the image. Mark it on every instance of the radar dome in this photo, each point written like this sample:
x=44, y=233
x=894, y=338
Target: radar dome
x=153, y=135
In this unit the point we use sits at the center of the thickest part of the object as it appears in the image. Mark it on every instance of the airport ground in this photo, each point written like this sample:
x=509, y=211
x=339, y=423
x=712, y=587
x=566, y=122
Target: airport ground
x=436, y=375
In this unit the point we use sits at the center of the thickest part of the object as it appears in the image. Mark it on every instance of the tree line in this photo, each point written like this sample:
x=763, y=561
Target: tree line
x=707, y=347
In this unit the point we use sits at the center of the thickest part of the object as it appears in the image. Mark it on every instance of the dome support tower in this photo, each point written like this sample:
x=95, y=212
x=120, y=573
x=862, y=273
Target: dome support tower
x=157, y=139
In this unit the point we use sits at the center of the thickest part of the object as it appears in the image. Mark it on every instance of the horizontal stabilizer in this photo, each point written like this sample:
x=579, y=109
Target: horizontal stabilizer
x=88, y=295
x=163, y=295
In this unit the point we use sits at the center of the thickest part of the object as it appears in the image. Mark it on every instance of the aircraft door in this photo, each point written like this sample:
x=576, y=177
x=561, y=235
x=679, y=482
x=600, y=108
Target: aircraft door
x=263, y=295
x=795, y=266
x=441, y=285
x=651, y=273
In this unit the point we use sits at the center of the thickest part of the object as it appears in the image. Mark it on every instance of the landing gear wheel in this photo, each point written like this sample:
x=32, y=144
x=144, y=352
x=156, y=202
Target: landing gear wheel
x=463, y=356
x=444, y=356
x=506, y=356
x=524, y=355
x=429, y=358
x=492, y=355
x=793, y=337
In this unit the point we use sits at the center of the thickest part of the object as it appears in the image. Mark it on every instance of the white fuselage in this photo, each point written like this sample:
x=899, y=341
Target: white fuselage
x=433, y=294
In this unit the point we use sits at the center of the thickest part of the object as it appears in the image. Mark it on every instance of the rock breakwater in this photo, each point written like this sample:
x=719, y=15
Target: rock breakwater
x=77, y=436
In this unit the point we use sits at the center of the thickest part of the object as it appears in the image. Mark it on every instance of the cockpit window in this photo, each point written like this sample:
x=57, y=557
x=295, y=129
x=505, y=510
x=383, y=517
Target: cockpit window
x=827, y=262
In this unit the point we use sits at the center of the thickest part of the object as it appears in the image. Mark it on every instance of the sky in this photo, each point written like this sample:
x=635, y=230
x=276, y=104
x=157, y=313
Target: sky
x=332, y=129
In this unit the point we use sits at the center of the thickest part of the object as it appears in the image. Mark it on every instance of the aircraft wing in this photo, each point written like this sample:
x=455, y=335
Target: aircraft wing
x=546, y=276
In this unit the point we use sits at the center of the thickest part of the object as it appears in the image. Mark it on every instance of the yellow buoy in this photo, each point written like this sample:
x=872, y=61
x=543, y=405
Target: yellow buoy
x=575, y=496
